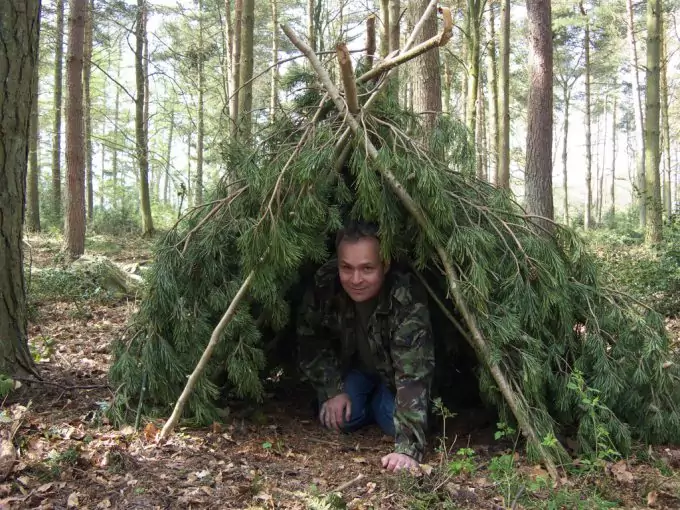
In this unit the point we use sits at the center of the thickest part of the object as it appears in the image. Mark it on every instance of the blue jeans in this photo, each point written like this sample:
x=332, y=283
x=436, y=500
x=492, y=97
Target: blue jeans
x=372, y=402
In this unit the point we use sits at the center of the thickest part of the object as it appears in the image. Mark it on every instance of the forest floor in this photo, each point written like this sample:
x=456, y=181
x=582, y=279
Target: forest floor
x=274, y=456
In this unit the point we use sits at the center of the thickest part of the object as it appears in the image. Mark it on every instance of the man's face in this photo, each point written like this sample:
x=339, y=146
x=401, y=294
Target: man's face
x=361, y=270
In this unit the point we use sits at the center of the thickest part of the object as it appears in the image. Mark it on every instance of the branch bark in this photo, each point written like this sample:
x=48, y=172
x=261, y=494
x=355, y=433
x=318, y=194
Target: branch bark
x=347, y=75
x=480, y=343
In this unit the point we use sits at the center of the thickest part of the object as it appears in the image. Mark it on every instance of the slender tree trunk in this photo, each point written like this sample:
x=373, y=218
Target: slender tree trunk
x=190, y=196
x=668, y=205
x=448, y=79
x=229, y=60
x=74, y=228
x=385, y=35
x=116, y=130
x=503, y=178
x=246, y=96
x=612, y=207
x=587, y=217
x=473, y=14
x=600, y=188
x=87, y=72
x=538, y=182
x=19, y=40
x=427, y=88
x=492, y=78
x=273, y=100
x=639, y=120
x=566, y=90
x=311, y=26
x=56, y=128
x=236, y=69
x=168, y=158
x=198, y=189
x=102, y=175
x=482, y=163
x=33, y=188
x=141, y=130
x=652, y=114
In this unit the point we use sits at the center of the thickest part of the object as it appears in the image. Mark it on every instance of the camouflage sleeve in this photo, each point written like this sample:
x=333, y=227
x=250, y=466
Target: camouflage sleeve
x=413, y=361
x=317, y=359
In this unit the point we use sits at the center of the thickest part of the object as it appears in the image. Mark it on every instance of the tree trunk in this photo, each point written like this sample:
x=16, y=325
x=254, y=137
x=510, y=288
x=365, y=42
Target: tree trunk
x=385, y=35
x=492, y=79
x=273, y=99
x=102, y=175
x=473, y=23
x=587, y=217
x=236, y=70
x=639, y=120
x=652, y=110
x=246, y=96
x=19, y=38
x=612, y=207
x=87, y=72
x=168, y=158
x=141, y=130
x=311, y=28
x=482, y=170
x=566, y=90
x=56, y=127
x=668, y=204
x=538, y=182
x=33, y=188
x=74, y=227
x=198, y=188
x=503, y=178
x=427, y=89
x=600, y=187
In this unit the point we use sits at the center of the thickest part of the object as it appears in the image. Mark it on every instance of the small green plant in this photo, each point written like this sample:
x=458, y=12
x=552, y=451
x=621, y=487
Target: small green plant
x=504, y=430
x=463, y=462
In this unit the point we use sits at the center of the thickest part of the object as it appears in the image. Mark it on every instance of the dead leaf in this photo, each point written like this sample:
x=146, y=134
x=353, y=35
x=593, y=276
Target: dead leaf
x=127, y=430
x=481, y=482
x=8, y=455
x=426, y=468
x=360, y=460
x=106, y=503
x=538, y=472
x=216, y=428
x=651, y=498
x=45, y=487
x=620, y=471
x=370, y=487
x=150, y=432
x=72, y=501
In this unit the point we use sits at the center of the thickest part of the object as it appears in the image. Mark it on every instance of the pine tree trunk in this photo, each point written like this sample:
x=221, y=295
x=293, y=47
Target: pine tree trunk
x=87, y=72
x=33, y=188
x=587, y=216
x=427, y=89
x=247, y=63
x=74, y=228
x=473, y=14
x=56, y=127
x=198, y=188
x=566, y=90
x=538, y=182
x=668, y=205
x=116, y=118
x=19, y=40
x=141, y=130
x=600, y=187
x=395, y=34
x=492, y=79
x=236, y=69
x=612, y=207
x=652, y=113
x=311, y=28
x=385, y=36
x=639, y=120
x=168, y=158
x=503, y=179
x=102, y=175
x=273, y=99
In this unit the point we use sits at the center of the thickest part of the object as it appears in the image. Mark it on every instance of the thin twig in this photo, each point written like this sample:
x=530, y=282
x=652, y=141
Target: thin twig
x=61, y=386
x=345, y=485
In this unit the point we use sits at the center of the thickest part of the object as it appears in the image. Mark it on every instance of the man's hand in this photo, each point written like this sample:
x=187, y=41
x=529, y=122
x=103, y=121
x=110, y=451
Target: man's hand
x=333, y=410
x=398, y=461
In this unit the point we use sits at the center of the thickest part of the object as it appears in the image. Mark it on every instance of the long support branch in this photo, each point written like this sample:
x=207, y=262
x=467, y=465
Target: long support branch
x=481, y=345
x=205, y=357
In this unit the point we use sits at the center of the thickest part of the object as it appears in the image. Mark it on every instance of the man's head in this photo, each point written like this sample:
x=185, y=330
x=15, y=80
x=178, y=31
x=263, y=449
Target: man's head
x=362, y=270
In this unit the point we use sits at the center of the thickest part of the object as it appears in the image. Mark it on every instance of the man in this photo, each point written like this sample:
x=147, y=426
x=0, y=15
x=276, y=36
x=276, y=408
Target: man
x=366, y=345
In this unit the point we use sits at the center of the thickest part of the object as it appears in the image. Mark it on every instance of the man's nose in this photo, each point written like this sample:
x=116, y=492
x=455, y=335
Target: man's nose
x=356, y=277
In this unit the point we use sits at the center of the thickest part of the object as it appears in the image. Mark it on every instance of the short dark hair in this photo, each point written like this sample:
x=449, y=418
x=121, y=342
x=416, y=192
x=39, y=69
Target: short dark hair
x=355, y=230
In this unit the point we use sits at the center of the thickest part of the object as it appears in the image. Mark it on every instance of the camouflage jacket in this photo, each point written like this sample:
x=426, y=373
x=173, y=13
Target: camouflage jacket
x=400, y=338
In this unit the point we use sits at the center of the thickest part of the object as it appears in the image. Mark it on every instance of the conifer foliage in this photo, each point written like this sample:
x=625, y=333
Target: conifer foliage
x=581, y=358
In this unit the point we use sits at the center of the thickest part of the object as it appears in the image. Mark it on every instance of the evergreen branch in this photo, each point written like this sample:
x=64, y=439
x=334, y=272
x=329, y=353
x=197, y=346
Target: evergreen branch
x=205, y=357
x=511, y=396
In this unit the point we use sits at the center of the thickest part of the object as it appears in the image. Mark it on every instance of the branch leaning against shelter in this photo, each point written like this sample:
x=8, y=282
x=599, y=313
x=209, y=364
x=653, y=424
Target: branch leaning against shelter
x=546, y=332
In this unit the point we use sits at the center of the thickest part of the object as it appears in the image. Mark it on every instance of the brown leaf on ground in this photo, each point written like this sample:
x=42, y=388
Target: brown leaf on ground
x=150, y=432
x=8, y=455
x=621, y=473
x=72, y=501
x=651, y=499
